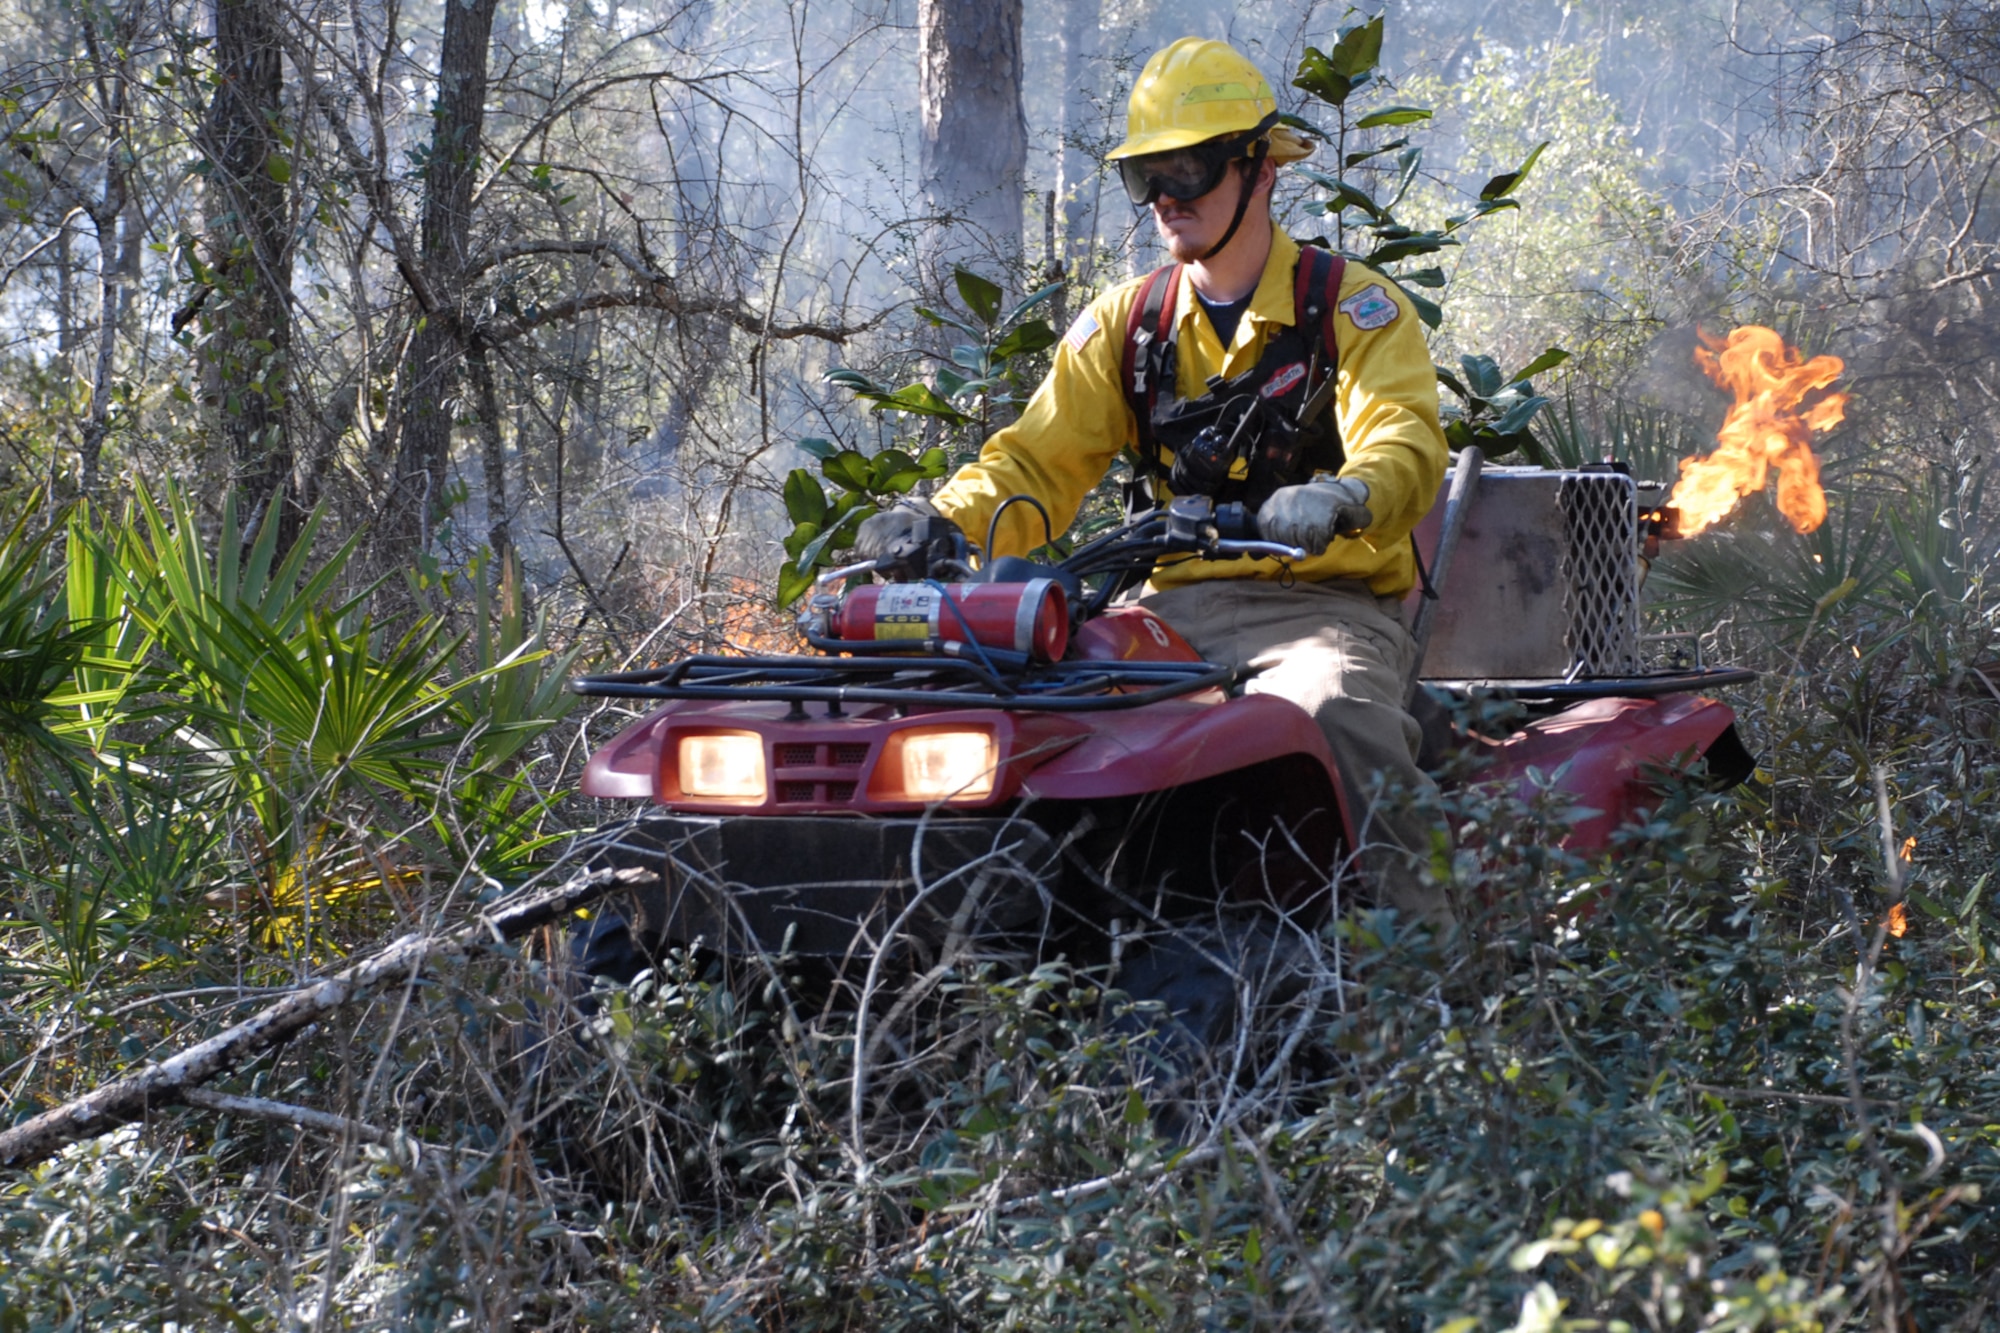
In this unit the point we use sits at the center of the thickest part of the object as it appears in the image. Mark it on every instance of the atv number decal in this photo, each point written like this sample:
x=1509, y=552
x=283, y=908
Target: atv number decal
x=1159, y=632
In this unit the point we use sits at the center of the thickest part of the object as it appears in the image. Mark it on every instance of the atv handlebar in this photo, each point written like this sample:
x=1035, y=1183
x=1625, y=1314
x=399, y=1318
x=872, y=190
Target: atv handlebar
x=1191, y=525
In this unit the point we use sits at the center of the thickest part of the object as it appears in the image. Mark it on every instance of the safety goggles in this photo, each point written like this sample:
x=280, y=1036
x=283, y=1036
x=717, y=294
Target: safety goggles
x=1184, y=174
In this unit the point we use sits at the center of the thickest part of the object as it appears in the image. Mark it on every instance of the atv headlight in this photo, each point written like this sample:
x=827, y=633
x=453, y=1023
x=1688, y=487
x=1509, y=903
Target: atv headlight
x=725, y=764
x=947, y=765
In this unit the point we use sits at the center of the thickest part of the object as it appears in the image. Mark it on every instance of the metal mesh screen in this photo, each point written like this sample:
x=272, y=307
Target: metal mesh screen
x=1601, y=573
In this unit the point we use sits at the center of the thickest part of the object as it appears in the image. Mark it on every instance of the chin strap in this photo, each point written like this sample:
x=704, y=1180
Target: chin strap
x=1256, y=161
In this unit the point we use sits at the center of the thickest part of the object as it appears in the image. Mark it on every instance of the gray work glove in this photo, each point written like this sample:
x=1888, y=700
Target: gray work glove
x=880, y=532
x=1312, y=515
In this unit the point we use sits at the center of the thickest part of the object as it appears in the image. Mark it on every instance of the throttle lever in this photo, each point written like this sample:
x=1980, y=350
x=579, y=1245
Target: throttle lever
x=932, y=541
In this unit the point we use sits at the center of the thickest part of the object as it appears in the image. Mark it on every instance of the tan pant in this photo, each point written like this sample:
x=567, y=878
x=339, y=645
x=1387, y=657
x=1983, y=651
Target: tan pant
x=1342, y=654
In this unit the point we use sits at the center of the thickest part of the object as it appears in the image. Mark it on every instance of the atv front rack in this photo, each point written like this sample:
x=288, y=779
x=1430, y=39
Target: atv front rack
x=909, y=681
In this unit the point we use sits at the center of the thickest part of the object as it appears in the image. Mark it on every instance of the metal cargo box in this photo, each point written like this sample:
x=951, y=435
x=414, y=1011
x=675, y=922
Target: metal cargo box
x=1545, y=583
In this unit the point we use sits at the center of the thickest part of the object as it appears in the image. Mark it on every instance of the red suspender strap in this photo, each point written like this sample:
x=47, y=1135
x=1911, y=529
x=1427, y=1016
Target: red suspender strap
x=1136, y=319
x=1336, y=272
x=1169, y=299
x=1153, y=304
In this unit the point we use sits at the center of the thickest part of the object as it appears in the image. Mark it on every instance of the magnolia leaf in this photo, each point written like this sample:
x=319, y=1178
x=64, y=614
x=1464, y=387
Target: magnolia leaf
x=845, y=531
x=970, y=355
x=1426, y=277
x=1491, y=206
x=1427, y=310
x=819, y=448
x=1509, y=181
x=950, y=383
x=1344, y=195
x=1032, y=300
x=1393, y=115
x=1359, y=50
x=855, y=380
x=1451, y=381
x=819, y=550
x=981, y=296
x=1423, y=243
x=918, y=399
x=805, y=502
x=792, y=584
x=934, y=461
x=1482, y=373
x=1027, y=338
x=1356, y=159
x=1548, y=360
x=801, y=537
x=848, y=469
x=1317, y=76
x=1406, y=167
x=1518, y=416
x=892, y=466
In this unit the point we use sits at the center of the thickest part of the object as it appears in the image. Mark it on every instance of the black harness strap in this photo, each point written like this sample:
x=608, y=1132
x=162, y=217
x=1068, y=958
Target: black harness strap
x=1296, y=371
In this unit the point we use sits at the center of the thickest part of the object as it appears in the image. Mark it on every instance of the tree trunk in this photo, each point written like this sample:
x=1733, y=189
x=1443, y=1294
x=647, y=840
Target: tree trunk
x=118, y=232
x=433, y=366
x=492, y=454
x=1076, y=168
x=974, y=133
x=248, y=317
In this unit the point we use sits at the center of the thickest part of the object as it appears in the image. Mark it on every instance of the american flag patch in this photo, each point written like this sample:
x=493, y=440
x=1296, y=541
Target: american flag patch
x=1080, y=331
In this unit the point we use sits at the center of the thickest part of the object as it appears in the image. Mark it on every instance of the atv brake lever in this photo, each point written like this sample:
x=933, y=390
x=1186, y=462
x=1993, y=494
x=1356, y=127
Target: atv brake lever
x=1268, y=550
x=845, y=572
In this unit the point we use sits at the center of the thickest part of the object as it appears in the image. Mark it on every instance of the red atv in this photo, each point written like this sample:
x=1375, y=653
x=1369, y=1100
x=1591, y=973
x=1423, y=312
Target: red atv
x=1006, y=754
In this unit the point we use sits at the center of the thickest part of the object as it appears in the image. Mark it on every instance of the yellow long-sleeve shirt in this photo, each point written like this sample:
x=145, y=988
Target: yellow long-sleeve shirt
x=1386, y=404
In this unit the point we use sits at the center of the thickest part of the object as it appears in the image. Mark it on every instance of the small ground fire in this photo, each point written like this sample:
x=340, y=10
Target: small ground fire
x=1768, y=428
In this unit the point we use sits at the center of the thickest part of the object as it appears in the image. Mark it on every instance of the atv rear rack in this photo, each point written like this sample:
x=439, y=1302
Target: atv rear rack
x=1653, y=685
x=910, y=681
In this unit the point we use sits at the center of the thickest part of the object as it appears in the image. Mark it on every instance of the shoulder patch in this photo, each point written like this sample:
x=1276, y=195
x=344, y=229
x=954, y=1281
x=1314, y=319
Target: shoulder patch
x=1080, y=330
x=1371, y=307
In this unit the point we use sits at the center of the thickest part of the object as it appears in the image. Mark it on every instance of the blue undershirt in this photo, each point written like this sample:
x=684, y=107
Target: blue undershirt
x=1225, y=315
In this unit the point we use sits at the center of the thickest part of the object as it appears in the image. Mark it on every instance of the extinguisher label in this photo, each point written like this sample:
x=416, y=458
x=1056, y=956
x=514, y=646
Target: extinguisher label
x=907, y=611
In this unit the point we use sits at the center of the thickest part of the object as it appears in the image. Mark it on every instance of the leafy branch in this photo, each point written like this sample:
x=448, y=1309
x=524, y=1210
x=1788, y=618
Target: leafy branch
x=1496, y=410
x=978, y=379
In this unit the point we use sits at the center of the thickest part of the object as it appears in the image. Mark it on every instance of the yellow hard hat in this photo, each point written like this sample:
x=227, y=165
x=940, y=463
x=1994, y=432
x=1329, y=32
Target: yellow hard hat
x=1196, y=90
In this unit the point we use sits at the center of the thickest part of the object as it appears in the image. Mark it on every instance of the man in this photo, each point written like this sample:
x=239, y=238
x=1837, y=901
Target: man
x=1238, y=323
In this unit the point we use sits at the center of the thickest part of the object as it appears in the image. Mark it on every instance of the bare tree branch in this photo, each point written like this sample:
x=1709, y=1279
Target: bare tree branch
x=166, y=1082
x=661, y=296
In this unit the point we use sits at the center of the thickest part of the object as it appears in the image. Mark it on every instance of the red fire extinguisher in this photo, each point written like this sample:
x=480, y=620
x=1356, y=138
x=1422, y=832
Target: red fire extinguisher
x=1031, y=617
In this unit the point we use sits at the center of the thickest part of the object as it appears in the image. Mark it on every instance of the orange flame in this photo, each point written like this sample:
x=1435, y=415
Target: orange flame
x=1766, y=429
x=1898, y=921
x=750, y=625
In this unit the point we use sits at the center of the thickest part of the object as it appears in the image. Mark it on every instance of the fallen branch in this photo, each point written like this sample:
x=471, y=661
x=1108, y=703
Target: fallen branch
x=284, y=1113
x=168, y=1082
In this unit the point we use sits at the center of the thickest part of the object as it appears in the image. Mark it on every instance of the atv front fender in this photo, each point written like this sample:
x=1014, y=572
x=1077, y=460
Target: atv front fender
x=1173, y=744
